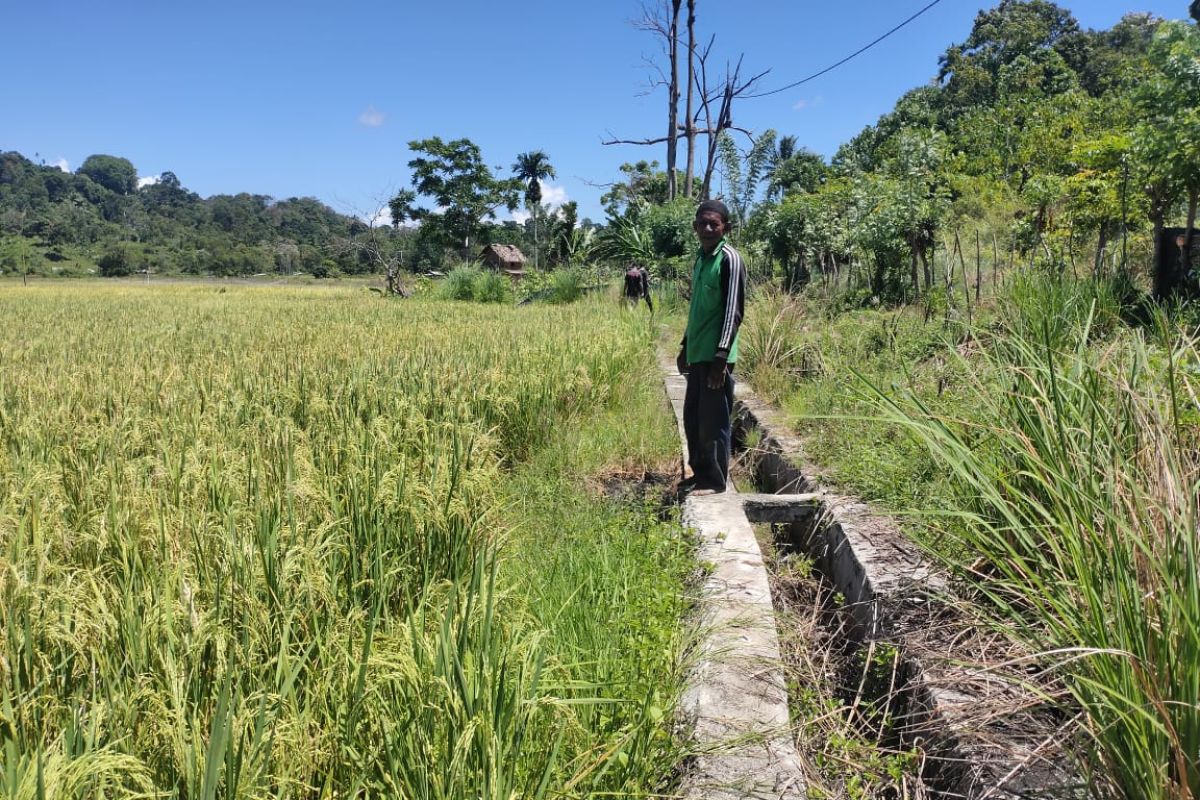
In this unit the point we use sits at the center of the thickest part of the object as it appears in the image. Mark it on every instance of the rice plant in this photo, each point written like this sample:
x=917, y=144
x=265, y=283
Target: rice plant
x=256, y=543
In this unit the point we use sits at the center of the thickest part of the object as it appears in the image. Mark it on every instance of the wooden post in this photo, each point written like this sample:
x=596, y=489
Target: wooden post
x=963, y=263
x=978, y=266
x=995, y=261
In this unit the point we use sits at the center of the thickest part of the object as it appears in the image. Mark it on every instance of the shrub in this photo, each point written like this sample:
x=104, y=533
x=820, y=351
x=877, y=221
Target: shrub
x=472, y=283
x=493, y=287
x=459, y=284
x=116, y=261
x=566, y=286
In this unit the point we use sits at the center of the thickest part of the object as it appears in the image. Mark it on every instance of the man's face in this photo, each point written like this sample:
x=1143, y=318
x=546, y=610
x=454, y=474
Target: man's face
x=709, y=228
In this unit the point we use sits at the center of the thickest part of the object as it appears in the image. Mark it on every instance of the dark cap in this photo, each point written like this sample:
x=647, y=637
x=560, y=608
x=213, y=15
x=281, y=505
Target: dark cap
x=714, y=205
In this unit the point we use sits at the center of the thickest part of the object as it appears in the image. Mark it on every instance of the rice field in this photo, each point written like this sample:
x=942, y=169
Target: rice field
x=295, y=543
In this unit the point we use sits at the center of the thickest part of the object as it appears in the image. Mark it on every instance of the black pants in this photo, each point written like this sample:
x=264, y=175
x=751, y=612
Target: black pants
x=706, y=424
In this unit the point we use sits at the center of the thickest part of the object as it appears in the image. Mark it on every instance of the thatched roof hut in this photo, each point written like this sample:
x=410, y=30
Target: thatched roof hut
x=506, y=258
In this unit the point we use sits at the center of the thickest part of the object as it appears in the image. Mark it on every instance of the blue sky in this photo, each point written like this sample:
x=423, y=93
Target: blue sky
x=319, y=99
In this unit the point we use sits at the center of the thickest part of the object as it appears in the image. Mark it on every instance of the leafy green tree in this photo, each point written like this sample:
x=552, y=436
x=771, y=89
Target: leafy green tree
x=1168, y=135
x=670, y=228
x=453, y=175
x=117, y=261
x=970, y=72
x=118, y=175
x=532, y=168
x=1097, y=194
x=800, y=171
x=807, y=231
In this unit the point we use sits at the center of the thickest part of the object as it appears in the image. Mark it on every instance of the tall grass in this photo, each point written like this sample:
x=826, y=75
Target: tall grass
x=253, y=543
x=479, y=285
x=1080, y=474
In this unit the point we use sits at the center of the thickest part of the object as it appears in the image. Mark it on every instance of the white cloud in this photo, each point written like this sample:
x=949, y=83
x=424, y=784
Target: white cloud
x=802, y=103
x=520, y=216
x=149, y=180
x=371, y=118
x=553, y=196
x=62, y=164
x=382, y=218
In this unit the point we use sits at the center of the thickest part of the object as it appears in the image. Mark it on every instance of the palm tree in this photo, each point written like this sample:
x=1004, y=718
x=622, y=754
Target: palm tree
x=532, y=168
x=787, y=148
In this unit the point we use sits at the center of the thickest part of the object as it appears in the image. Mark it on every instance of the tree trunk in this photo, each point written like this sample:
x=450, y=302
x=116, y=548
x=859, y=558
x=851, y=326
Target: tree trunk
x=916, y=286
x=536, y=244
x=962, y=262
x=691, y=88
x=1193, y=196
x=724, y=121
x=1159, y=287
x=673, y=100
x=1101, y=246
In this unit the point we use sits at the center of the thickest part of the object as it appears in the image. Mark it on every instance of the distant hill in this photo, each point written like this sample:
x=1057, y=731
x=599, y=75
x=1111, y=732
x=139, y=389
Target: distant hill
x=99, y=220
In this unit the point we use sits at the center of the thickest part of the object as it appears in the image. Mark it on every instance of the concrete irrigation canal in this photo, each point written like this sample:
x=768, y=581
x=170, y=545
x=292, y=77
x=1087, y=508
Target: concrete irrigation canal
x=980, y=731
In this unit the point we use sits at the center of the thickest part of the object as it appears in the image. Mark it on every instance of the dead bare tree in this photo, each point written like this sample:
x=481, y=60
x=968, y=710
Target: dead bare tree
x=673, y=102
x=690, y=133
x=370, y=241
x=732, y=87
x=715, y=100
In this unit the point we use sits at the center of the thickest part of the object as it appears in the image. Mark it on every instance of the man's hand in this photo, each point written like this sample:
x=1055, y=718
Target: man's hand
x=716, y=374
x=681, y=362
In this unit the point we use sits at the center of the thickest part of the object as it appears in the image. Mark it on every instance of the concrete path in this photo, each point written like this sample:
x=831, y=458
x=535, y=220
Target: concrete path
x=736, y=701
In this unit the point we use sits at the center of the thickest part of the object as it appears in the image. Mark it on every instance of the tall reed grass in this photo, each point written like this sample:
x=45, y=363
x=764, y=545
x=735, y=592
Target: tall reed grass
x=1079, y=472
x=253, y=543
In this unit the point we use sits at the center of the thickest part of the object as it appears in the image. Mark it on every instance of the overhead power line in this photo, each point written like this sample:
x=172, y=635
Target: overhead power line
x=850, y=57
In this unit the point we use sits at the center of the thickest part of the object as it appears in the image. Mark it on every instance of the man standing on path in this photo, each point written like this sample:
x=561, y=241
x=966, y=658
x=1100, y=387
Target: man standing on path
x=710, y=347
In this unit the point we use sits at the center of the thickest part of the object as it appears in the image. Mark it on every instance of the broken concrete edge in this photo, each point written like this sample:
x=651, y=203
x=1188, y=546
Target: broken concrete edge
x=885, y=580
x=734, y=708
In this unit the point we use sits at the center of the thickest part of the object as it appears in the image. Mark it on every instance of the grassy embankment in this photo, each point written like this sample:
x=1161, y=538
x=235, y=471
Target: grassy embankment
x=307, y=542
x=1047, y=452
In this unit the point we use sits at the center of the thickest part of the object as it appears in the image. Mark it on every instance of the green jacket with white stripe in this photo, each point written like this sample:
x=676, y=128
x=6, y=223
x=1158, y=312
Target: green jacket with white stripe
x=718, y=303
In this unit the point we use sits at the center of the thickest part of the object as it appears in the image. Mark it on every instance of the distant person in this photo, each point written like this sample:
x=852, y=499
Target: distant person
x=710, y=348
x=637, y=286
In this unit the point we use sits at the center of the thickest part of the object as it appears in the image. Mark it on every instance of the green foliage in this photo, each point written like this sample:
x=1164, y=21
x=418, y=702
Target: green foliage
x=627, y=241
x=645, y=186
x=670, y=228
x=476, y=284
x=117, y=175
x=742, y=175
x=1089, y=543
x=533, y=168
x=79, y=217
x=117, y=261
x=795, y=171
x=567, y=285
